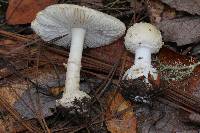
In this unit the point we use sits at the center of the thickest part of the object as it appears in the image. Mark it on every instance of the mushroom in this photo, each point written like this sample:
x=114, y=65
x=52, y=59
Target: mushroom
x=143, y=39
x=79, y=27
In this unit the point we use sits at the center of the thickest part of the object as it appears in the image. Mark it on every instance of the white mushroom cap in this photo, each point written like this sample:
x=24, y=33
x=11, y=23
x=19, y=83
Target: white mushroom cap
x=58, y=20
x=143, y=35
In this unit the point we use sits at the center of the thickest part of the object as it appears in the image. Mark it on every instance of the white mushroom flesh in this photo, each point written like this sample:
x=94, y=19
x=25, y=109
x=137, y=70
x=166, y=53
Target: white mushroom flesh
x=72, y=80
x=143, y=56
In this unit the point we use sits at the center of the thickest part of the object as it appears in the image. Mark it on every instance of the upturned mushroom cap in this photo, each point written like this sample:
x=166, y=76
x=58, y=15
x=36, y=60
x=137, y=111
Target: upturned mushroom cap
x=143, y=35
x=58, y=20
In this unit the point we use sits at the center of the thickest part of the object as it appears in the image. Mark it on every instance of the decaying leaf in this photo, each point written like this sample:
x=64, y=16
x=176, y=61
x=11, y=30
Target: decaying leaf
x=180, y=80
x=22, y=95
x=162, y=117
x=186, y=79
x=24, y=11
x=181, y=30
x=190, y=6
x=159, y=11
x=195, y=80
x=109, y=53
x=155, y=9
x=125, y=123
x=137, y=5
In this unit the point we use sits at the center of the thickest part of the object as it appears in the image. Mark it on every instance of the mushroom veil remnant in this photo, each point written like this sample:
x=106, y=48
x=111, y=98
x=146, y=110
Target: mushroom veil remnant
x=143, y=39
x=80, y=27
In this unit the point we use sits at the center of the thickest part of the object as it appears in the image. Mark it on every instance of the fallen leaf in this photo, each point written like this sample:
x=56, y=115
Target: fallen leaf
x=24, y=11
x=189, y=82
x=109, y=53
x=181, y=30
x=190, y=6
x=167, y=56
x=21, y=95
x=194, y=83
x=126, y=123
x=138, y=6
x=159, y=11
x=156, y=9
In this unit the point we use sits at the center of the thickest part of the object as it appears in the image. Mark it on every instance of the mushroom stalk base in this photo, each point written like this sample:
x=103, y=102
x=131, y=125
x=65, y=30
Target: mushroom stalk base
x=71, y=91
x=142, y=66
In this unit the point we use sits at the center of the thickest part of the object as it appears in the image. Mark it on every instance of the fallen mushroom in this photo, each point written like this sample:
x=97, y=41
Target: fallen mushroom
x=143, y=39
x=81, y=26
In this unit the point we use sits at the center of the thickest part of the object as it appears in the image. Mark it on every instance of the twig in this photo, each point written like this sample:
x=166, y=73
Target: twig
x=183, y=99
x=17, y=116
x=14, y=36
x=40, y=113
x=78, y=128
x=109, y=79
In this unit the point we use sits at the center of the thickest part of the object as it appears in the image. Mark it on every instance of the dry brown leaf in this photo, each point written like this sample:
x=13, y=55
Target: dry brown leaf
x=109, y=53
x=195, y=80
x=137, y=5
x=159, y=11
x=18, y=89
x=181, y=30
x=24, y=11
x=171, y=58
x=126, y=123
x=190, y=6
x=155, y=9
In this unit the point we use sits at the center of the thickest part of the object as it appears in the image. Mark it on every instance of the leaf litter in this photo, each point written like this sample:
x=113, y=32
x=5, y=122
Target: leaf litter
x=37, y=78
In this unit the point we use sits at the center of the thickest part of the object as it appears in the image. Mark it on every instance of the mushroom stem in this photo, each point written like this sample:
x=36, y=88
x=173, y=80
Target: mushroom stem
x=74, y=63
x=142, y=56
x=142, y=65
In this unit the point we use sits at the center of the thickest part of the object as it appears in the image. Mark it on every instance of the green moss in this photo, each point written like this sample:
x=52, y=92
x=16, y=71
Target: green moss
x=176, y=72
